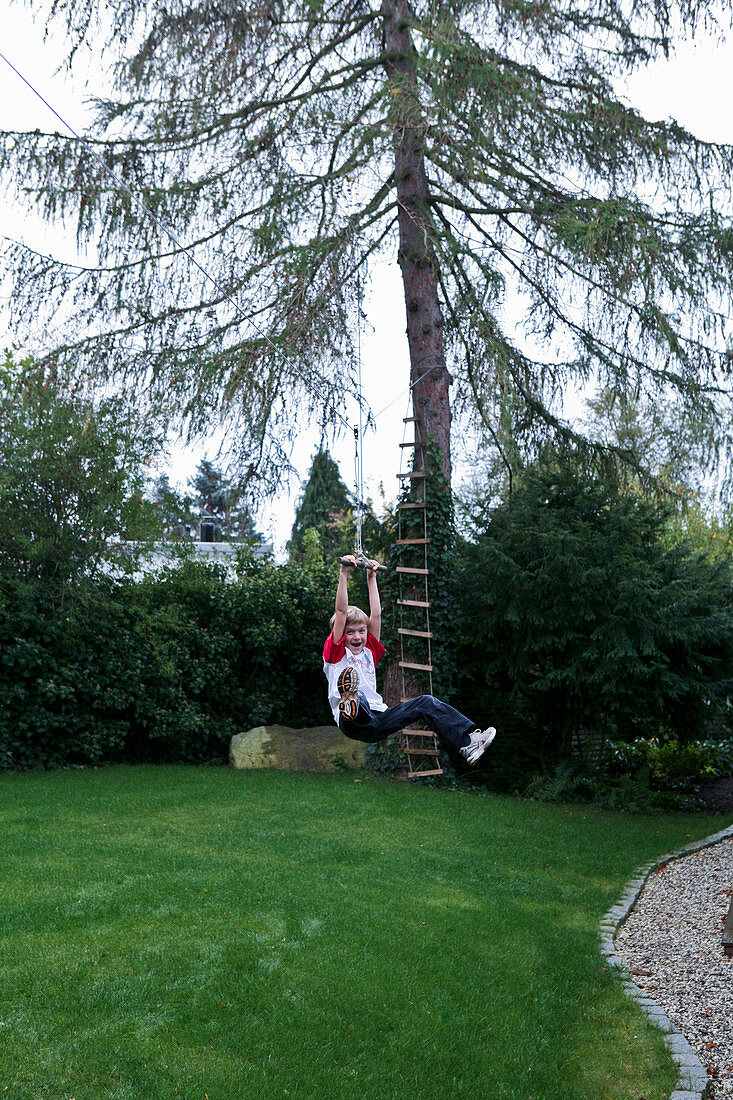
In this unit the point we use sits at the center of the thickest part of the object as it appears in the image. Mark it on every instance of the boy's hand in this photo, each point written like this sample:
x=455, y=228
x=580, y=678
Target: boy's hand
x=351, y=561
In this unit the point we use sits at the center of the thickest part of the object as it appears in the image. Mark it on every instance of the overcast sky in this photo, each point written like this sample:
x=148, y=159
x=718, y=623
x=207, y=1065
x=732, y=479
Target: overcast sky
x=695, y=87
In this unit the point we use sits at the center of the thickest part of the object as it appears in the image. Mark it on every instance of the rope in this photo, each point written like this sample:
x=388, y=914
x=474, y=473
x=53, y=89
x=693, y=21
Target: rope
x=357, y=484
x=359, y=432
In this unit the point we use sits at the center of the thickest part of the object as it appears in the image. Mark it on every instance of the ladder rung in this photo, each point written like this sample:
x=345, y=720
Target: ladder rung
x=423, y=668
x=410, y=419
x=413, y=443
x=410, y=732
x=413, y=603
x=415, y=476
x=413, y=542
x=416, y=633
x=420, y=752
x=411, y=504
x=419, y=572
x=416, y=775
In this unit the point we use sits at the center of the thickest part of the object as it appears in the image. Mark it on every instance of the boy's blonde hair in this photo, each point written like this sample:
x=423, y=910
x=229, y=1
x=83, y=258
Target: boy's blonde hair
x=353, y=615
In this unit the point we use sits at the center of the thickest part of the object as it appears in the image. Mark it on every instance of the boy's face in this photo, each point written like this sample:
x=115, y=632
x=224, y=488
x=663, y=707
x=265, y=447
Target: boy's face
x=355, y=636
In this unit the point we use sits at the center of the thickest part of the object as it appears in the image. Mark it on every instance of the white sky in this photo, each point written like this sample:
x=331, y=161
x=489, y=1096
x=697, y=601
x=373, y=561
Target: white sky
x=695, y=87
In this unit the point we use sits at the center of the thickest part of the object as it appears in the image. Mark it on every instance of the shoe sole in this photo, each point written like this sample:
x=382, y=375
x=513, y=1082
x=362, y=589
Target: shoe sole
x=348, y=685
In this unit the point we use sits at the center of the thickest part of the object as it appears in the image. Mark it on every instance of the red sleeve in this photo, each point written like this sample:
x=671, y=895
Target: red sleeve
x=376, y=647
x=334, y=651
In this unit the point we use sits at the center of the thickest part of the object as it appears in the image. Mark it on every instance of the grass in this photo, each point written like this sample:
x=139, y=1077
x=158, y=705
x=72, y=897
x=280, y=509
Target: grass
x=207, y=933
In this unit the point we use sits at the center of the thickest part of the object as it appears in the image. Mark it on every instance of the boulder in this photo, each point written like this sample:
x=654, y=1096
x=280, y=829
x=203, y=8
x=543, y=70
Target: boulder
x=321, y=749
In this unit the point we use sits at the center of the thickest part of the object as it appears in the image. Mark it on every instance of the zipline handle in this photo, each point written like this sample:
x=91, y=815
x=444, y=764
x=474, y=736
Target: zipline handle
x=363, y=562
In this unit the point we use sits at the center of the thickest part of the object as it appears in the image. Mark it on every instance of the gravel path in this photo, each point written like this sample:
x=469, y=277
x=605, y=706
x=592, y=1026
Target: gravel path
x=671, y=944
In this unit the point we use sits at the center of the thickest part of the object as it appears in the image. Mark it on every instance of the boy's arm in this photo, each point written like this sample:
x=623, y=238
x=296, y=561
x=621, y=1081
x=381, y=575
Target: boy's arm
x=375, y=603
x=342, y=597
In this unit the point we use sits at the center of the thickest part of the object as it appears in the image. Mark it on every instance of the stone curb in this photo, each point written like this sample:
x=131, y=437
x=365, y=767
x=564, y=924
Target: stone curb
x=693, y=1083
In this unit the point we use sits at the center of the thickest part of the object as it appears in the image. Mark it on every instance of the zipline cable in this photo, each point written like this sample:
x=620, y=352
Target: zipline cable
x=410, y=388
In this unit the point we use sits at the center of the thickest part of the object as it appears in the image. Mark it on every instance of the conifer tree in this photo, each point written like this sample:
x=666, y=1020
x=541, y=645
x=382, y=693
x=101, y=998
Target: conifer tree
x=173, y=510
x=324, y=507
x=210, y=489
x=287, y=143
x=215, y=497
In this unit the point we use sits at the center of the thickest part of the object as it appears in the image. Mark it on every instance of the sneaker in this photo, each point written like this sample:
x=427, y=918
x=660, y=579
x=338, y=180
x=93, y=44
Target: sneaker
x=479, y=743
x=348, y=685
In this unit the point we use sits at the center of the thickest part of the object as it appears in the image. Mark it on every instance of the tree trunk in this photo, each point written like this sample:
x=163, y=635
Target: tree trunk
x=428, y=374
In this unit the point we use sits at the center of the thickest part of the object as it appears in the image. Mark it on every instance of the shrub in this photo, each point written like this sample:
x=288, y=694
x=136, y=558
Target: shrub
x=64, y=679
x=671, y=765
x=165, y=669
x=638, y=776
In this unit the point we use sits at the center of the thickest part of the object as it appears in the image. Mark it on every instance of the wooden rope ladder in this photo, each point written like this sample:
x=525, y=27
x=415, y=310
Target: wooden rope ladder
x=420, y=746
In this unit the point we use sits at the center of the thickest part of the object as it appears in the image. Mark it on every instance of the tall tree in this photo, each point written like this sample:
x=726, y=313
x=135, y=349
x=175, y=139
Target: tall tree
x=72, y=476
x=287, y=143
x=211, y=492
x=172, y=509
x=216, y=497
x=325, y=507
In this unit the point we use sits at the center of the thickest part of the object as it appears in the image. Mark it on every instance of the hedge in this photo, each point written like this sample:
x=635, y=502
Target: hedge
x=165, y=669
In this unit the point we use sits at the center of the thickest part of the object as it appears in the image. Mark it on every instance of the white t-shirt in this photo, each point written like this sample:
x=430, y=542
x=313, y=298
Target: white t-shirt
x=336, y=657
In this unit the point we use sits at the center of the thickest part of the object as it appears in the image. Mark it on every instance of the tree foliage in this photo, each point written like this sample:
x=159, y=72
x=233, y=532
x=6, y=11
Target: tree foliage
x=673, y=448
x=173, y=517
x=286, y=143
x=217, y=497
x=211, y=497
x=671, y=455
x=72, y=474
x=324, y=506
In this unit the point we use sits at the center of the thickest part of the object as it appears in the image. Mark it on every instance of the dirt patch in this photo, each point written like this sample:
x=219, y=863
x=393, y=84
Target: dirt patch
x=718, y=797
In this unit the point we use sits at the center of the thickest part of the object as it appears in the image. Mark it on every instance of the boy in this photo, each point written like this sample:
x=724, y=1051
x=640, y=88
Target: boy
x=350, y=655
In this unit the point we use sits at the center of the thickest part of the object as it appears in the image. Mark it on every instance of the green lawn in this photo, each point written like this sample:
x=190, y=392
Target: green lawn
x=202, y=932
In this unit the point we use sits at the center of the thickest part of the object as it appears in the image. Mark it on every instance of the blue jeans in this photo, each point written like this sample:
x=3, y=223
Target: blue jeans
x=376, y=725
